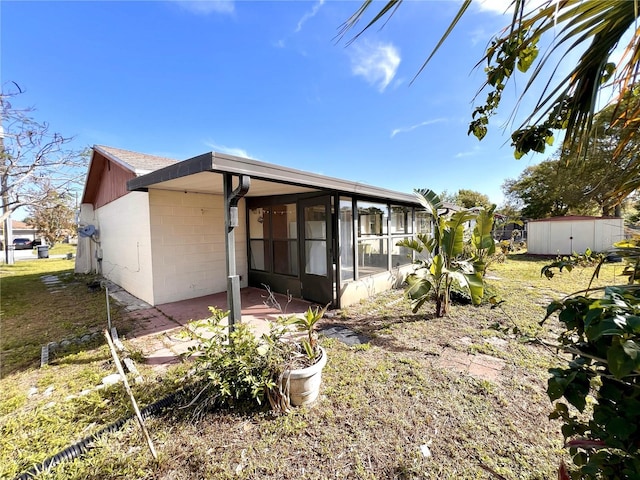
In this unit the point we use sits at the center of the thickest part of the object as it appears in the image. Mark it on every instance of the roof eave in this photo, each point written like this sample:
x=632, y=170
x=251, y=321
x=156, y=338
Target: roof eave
x=223, y=163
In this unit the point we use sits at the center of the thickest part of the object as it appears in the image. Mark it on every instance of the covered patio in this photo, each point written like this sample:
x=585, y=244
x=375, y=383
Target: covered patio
x=156, y=331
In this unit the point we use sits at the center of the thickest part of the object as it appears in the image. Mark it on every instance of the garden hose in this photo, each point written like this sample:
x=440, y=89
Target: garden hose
x=81, y=447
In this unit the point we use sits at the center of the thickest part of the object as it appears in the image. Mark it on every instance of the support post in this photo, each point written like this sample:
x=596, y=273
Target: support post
x=231, y=199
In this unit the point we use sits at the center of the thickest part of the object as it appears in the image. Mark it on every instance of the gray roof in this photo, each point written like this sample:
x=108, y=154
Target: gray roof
x=139, y=163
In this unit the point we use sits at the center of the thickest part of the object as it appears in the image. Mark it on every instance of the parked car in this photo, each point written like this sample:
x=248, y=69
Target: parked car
x=22, y=244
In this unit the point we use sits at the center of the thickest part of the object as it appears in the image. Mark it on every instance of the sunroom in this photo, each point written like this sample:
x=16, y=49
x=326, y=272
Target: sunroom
x=218, y=222
x=331, y=249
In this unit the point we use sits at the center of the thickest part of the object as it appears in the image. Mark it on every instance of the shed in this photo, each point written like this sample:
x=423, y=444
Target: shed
x=566, y=235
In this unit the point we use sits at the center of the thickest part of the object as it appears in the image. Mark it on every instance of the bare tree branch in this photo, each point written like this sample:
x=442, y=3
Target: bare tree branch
x=34, y=161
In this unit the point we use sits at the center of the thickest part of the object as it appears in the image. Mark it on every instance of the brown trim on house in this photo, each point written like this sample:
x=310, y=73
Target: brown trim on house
x=106, y=181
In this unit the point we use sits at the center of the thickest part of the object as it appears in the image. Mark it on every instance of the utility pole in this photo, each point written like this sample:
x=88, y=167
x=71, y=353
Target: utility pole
x=8, y=259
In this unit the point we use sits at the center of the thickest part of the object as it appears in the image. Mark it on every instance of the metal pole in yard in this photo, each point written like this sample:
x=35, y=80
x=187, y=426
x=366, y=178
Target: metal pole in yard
x=106, y=289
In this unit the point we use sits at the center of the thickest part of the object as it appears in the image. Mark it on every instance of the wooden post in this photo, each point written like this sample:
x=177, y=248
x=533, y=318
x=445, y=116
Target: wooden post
x=116, y=360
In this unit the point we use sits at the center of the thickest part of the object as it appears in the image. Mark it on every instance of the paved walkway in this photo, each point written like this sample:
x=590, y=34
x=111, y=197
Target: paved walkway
x=479, y=365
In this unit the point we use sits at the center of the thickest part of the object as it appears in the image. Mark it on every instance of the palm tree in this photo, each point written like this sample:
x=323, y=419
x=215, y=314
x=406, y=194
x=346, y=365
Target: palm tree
x=594, y=27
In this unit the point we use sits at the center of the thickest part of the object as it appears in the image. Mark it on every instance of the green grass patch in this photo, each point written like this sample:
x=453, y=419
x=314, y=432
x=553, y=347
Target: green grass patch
x=35, y=313
x=381, y=403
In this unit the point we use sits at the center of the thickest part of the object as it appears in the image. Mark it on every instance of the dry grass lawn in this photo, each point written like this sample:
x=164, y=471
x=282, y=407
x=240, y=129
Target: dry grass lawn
x=400, y=406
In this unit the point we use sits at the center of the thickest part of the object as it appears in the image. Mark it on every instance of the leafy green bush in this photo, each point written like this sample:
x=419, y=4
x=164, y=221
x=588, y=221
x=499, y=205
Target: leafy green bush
x=602, y=335
x=440, y=259
x=232, y=365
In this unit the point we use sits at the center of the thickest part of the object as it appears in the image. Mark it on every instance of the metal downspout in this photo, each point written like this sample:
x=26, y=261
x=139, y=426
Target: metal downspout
x=231, y=199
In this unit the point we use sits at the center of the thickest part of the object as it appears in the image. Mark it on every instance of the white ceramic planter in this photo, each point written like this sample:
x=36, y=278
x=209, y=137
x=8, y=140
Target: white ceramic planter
x=304, y=383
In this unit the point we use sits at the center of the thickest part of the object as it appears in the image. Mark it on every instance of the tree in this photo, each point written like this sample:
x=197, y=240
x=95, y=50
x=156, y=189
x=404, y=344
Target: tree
x=53, y=217
x=611, y=171
x=446, y=197
x=35, y=162
x=600, y=183
x=465, y=198
x=632, y=211
x=592, y=29
x=470, y=198
x=549, y=189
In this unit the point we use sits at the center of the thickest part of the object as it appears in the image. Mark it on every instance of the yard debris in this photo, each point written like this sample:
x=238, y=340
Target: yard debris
x=111, y=379
x=243, y=462
x=116, y=339
x=44, y=355
x=116, y=360
x=426, y=451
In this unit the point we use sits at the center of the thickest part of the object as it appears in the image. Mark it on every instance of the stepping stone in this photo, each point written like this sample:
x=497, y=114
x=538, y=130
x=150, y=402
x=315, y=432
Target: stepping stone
x=345, y=335
x=125, y=298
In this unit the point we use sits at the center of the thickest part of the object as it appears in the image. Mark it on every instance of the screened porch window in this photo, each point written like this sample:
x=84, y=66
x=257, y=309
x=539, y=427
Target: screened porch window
x=373, y=238
x=423, y=222
x=273, y=239
x=259, y=219
x=345, y=229
x=401, y=229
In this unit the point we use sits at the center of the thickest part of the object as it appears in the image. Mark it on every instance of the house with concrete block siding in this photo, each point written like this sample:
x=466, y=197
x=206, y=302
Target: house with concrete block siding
x=168, y=230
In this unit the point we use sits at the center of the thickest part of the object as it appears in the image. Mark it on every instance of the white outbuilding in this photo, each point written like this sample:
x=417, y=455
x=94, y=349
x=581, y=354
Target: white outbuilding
x=565, y=235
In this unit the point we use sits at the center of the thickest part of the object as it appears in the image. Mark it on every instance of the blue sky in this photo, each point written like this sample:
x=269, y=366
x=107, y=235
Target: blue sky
x=267, y=80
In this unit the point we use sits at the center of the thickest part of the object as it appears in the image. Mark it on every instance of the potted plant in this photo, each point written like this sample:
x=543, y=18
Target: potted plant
x=232, y=365
x=297, y=379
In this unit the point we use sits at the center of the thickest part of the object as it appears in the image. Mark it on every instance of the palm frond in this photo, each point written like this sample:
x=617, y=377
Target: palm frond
x=592, y=28
x=389, y=8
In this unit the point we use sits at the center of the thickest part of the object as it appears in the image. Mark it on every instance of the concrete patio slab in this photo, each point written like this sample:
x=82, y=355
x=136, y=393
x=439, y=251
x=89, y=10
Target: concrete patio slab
x=156, y=330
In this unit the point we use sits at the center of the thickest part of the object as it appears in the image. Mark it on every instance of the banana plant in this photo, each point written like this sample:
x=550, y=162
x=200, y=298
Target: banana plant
x=439, y=259
x=482, y=241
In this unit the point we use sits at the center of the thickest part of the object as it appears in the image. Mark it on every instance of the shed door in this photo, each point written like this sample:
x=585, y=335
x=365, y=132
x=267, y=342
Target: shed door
x=560, y=238
x=316, y=254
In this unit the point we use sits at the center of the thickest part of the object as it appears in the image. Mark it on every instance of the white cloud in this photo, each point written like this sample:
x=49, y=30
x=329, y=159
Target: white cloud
x=506, y=6
x=206, y=7
x=238, y=152
x=282, y=43
x=417, y=125
x=495, y=6
x=376, y=63
x=308, y=15
x=468, y=153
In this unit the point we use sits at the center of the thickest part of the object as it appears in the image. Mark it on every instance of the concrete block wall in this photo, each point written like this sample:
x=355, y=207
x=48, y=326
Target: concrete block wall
x=353, y=291
x=188, y=238
x=125, y=245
